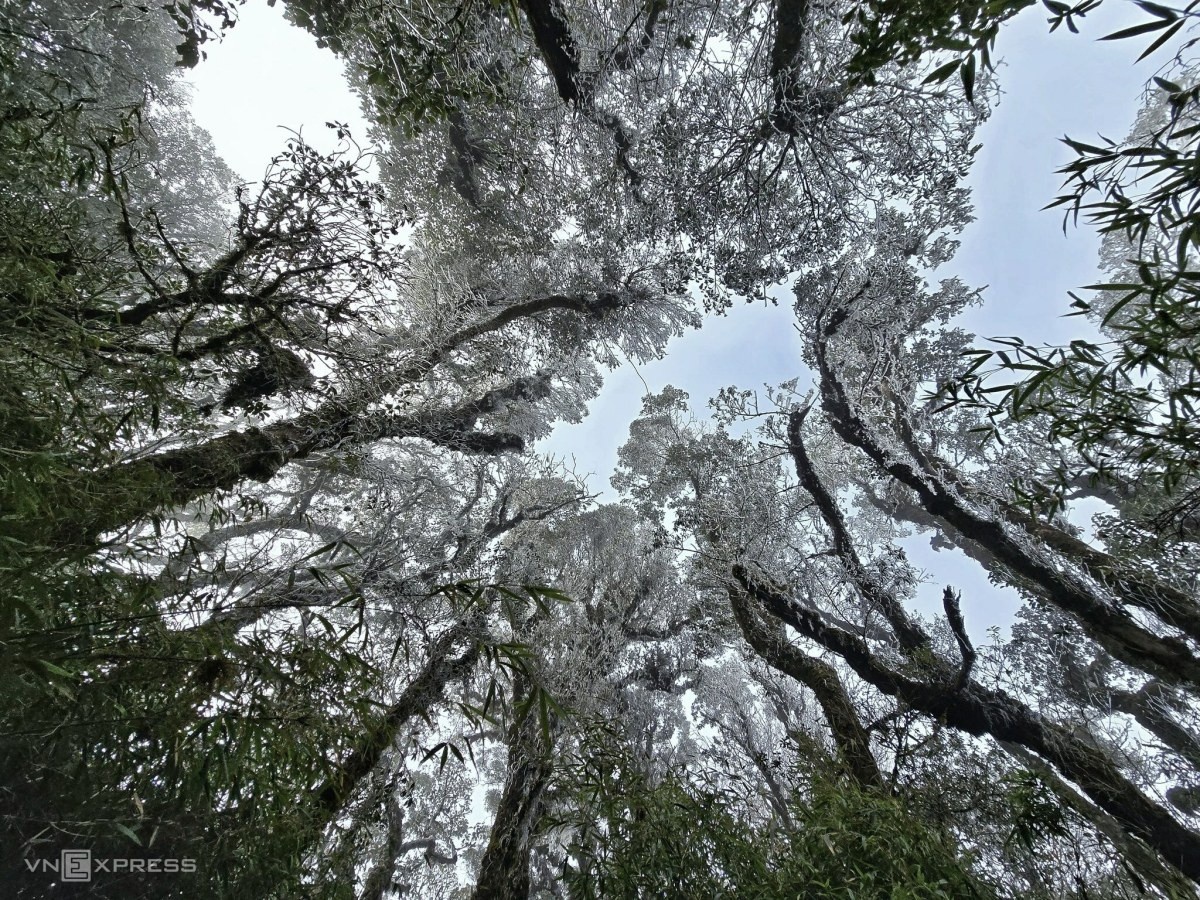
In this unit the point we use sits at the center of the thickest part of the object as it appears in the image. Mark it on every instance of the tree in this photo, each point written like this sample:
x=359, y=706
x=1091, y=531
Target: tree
x=289, y=591
x=620, y=136
x=904, y=33
x=929, y=672
x=671, y=837
x=189, y=600
x=1125, y=405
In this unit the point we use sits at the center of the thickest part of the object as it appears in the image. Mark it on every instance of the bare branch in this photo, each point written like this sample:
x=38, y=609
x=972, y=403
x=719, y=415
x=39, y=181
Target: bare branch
x=955, y=617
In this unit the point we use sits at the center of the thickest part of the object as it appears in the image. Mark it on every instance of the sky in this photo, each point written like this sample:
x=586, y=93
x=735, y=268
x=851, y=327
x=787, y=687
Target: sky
x=267, y=76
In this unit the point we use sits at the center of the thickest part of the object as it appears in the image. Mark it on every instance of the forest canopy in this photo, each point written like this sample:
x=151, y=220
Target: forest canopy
x=294, y=607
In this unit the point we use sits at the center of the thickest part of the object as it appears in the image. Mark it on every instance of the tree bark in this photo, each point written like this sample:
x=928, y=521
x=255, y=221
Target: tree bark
x=1148, y=706
x=1141, y=589
x=790, y=21
x=109, y=499
x=417, y=699
x=504, y=871
x=981, y=711
x=911, y=636
x=849, y=735
x=1105, y=622
x=557, y=46
x=1135, y=588
x=1144, y=860
x=131, y=491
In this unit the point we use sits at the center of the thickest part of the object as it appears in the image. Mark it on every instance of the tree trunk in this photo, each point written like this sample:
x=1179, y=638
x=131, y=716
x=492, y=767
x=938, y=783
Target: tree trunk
x=977, y=710
x=504, y=871
x=851, y=739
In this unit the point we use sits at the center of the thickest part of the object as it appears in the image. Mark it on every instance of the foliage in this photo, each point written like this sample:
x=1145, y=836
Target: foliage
x=1127, y=405
x=176, y=684
x=890, y=32
x=286, y=585
x=666, y=836
x=421, y=64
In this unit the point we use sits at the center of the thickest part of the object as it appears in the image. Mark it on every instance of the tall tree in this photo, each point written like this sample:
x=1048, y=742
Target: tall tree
x=289, y=593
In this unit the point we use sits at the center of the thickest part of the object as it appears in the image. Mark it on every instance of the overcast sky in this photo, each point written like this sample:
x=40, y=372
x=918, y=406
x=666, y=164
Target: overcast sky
x=266, y=76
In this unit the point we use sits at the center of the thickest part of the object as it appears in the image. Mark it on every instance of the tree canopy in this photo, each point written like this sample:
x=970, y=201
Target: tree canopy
x=294, y=605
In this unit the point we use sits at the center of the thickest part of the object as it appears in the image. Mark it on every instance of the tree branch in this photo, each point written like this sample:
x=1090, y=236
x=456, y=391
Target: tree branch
x=981, y=711
x=130, y=491
x=852, y=740
x=911, y=636
x=1106, y=623
x=955, y=617
x=417, y=699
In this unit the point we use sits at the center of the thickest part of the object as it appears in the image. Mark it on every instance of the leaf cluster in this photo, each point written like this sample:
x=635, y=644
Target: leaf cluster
x=1127, y=405
x=669, y=836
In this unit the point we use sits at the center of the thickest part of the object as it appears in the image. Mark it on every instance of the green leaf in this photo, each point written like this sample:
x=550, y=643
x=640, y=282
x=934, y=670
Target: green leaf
x=968, y=78
x=128, y=832
x=1135, y=30
x=1162, y=39
x=942, y=72
x=54, y=669
x=1163, y=12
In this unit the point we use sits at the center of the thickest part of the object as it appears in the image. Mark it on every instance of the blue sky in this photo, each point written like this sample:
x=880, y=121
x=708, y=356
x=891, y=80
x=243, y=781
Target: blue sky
x=267, y=76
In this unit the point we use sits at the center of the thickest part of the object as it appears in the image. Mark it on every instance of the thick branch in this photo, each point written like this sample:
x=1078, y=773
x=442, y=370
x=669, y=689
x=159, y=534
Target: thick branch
x=790, y=21
x=463, y=175
x=554, y=41
x=1175, y=607
x=1149, y=707
x=627, y=52
x=955, y=617
x=1104, y=622
x=123, y=494
x=431, y=852
x=1144, y=860
x=552, y=34
x=981, y=711
x=851, y=738
x=910, y=635
x=417, y=699
x=1136, y=588
x=379, y=878
x=131, y=491
x=204, y=289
